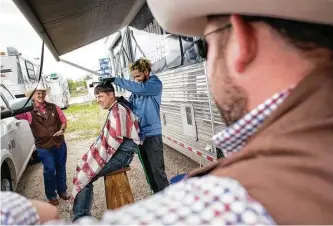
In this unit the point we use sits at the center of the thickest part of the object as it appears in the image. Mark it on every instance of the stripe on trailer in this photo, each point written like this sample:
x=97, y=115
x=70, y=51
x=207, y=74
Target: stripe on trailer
x=210, y=158
x=199, y=153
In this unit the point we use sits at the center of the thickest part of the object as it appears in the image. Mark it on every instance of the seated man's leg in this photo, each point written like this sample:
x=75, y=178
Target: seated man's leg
x=122, y=158
x=83, y=202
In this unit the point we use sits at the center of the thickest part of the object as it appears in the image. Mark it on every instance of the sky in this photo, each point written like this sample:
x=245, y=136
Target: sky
x=15, y=31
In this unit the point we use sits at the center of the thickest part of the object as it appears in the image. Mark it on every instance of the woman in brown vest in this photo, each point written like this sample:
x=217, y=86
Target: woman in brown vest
x=48, y=124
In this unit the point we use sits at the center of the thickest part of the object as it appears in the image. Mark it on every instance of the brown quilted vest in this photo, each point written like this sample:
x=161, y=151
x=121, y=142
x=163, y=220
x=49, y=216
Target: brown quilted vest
x=288, y=164
x=43, y=127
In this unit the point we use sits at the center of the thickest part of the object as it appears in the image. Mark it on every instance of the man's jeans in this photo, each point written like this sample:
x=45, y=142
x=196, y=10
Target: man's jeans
x=54, y=170
x=121, y=159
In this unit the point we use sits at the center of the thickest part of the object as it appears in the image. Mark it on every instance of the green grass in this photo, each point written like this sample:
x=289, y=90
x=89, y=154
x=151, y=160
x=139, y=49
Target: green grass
x=75, y=93
x=84, y=121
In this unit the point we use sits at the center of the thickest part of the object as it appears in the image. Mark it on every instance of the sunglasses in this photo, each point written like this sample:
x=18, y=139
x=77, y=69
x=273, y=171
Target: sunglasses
x=202, y=44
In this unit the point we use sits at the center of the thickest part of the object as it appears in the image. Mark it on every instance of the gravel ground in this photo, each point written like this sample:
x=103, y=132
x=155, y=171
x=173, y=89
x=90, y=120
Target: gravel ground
x=31, y=185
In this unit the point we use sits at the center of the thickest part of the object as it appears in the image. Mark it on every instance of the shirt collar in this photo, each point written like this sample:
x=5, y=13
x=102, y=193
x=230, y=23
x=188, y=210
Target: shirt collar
x=112, y=105
x=234, y=138
x=38, y=105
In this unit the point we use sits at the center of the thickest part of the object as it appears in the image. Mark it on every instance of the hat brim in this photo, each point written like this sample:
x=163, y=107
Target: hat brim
x=190, y=17
x=28, y=93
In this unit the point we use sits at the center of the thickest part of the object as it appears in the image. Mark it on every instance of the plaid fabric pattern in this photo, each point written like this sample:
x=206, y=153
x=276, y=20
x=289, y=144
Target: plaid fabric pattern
x=17, y=210
x=195, y=201
x=121, y=122
x=235, y=137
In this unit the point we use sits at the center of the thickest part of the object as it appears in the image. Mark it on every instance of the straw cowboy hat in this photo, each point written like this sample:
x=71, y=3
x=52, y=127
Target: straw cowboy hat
x=189, y=17
x=39, y=88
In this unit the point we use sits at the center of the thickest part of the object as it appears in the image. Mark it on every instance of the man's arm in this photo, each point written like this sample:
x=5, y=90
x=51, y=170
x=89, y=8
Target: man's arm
x=25, y=116
x=18, y=210
x=150, y=88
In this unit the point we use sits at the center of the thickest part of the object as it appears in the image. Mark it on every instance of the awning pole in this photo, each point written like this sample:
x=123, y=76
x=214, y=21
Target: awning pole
x=80, y=67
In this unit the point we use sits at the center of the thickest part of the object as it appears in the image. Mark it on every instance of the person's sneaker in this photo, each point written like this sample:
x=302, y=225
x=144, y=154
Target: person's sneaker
x=53, y=201
x=65, y=196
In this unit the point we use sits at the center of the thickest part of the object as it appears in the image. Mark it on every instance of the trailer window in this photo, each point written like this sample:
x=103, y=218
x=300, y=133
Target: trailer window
x=30, y=70
x=190, y=51
x=187, y=117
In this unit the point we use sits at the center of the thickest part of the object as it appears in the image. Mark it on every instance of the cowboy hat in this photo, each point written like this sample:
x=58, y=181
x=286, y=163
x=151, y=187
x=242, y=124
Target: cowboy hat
x=189, y=17
x=38, y=88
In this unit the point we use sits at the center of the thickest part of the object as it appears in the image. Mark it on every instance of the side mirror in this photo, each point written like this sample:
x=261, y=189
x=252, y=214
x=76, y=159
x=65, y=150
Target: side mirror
x=17, y=106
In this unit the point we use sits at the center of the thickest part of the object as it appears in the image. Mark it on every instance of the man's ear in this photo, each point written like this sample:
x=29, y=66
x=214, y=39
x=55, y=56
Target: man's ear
x=111, y=94
x=244, y=43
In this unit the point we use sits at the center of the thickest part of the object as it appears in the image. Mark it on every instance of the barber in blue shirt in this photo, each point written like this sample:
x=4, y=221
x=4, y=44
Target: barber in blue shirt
x=146, y=100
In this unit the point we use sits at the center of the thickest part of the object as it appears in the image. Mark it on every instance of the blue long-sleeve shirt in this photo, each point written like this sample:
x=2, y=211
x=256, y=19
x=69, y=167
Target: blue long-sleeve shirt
x=145, y=100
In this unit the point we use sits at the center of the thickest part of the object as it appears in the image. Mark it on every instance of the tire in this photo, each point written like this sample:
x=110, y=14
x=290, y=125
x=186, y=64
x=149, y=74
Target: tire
x=6, y=184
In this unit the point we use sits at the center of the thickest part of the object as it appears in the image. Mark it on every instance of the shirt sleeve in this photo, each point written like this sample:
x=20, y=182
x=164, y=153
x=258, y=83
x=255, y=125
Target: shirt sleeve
x=195, y=201
x=61, y=115
x=17, y=210
x=150, y=88
x=25, y=116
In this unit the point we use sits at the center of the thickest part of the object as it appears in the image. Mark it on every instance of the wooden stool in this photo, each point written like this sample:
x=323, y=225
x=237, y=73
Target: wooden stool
x=117, y=189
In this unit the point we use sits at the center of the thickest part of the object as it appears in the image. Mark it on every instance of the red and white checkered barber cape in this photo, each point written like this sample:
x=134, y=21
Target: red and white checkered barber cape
x=121, y=122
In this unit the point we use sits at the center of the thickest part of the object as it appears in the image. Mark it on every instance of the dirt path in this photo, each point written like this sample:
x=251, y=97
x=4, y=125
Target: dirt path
x=31, y=184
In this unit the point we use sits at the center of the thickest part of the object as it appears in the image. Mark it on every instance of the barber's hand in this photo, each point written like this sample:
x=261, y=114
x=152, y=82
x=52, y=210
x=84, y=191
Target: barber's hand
x=108, y=81
x=45, y=211
x=59, y=133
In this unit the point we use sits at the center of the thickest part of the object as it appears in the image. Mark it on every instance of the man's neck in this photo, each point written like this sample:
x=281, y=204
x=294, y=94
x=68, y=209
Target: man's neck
x=275, y=75
x=38, y=104
x=115, y=101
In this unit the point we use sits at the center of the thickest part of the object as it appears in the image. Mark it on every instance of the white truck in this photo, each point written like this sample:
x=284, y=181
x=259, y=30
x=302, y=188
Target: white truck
x=18, y=74
x=17, y=141
x=59, y=93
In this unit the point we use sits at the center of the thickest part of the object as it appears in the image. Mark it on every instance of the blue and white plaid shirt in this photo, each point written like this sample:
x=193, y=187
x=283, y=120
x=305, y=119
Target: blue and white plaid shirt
x=234, y=138
x=17, y=210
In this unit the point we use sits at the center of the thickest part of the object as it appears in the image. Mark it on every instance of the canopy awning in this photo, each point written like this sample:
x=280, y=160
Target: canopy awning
x=66, y=25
